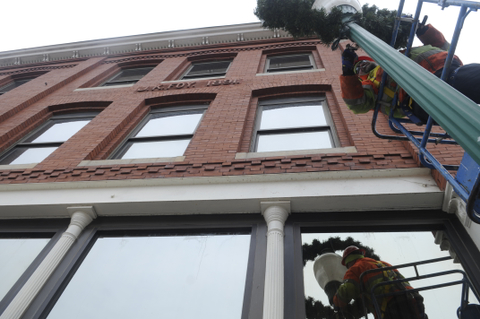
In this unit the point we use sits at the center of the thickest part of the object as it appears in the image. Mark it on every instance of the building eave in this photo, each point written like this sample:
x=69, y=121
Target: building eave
x=137, y=43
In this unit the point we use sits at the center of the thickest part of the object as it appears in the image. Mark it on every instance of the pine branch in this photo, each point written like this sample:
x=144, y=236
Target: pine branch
x=299, y=19
x=311, y=251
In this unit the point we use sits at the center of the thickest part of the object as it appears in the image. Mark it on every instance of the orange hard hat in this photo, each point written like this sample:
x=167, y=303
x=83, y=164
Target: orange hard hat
x=363, y=58
x=361, y=61
x=351, y=250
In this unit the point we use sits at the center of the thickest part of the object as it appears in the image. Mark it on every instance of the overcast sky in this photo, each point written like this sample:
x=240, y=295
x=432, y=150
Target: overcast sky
x=33, y=23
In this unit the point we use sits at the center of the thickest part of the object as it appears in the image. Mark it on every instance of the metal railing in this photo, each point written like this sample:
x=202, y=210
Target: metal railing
x=466, y=285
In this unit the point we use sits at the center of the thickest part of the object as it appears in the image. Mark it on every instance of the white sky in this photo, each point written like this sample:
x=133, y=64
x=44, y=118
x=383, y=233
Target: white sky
x=33, y=23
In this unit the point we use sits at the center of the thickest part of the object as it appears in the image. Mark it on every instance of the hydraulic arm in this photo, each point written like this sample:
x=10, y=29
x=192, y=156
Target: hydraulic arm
x=456, y=114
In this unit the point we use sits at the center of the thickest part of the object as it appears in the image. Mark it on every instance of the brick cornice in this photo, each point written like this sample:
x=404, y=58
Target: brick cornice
x=38, y=69
x=213, y=51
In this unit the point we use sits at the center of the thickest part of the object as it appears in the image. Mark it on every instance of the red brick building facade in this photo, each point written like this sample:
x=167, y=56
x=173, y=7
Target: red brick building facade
x=361, y=173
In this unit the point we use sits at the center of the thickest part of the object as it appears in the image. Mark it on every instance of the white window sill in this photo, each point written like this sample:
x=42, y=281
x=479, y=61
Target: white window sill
x=132, y=161
x=348, y=149
x=18, y=166
x=294, y=71
x=105, y=87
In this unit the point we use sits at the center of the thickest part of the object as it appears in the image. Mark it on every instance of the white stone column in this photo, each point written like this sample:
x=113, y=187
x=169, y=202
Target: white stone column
x=81, y=217
x=275, y=213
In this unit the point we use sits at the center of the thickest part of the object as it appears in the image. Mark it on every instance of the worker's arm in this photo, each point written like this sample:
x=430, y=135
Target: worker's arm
x=431, y=36
x=352, y=89
x=358, y=99
x=349, y=290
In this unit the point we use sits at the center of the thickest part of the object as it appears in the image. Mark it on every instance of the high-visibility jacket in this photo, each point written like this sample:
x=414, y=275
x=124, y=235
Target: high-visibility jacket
x=352, y=286
x=360, y=93
x=433, y=54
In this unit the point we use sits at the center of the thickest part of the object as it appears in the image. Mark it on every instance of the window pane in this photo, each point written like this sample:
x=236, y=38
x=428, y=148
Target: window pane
x=23, y=155
x=293, y=116
x=293, y=141
x=15, y=257
x=60, y=132
x=209, y=68
x=395, y=248
x=179, y=124
x=292, y=61
x=14, y=84
x=130, y=75
x=180, y=277
x=156, y=149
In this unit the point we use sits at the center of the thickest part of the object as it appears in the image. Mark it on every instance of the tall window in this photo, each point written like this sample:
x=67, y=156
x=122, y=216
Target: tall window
x=293, y=62
x=14, y=84
x=17, y=254
x=207, y=69
x=38, y=145
x=128, y=76
x=164, y=133
x=159, y=276
x=294, y=124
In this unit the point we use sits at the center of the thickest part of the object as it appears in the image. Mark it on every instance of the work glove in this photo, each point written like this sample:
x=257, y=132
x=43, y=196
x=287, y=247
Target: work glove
x=348, y=61
x=422, y=27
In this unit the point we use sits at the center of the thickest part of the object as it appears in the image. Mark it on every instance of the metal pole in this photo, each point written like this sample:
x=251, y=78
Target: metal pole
x=411, y=37
x=456, y=35
x=471, y=4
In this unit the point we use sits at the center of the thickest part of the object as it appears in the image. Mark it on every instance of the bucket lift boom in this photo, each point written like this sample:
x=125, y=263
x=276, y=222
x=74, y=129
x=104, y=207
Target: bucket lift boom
x=456, y=114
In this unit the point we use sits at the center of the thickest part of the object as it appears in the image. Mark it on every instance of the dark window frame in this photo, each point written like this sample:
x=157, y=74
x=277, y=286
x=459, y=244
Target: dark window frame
x=118, y=78
x=14, y=84
x=278, y=103
x=270, y=69
x=52, y=229
x=145, y=226
x=221, y=73
x=25, y=142
x=155, y=113
x=19, y=80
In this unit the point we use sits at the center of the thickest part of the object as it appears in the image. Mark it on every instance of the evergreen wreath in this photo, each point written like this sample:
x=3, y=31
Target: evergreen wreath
x=299, y=19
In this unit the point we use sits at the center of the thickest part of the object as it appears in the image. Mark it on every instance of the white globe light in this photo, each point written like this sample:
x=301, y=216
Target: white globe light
x=347, y=6
x=328, y=267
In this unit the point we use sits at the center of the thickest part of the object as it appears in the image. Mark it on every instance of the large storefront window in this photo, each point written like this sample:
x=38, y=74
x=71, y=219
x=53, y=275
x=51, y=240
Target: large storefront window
x=396, y=248
x=160, y=276
x=15, y=257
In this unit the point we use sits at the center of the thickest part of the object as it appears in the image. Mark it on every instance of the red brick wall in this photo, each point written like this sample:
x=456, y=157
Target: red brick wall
x=225, y=130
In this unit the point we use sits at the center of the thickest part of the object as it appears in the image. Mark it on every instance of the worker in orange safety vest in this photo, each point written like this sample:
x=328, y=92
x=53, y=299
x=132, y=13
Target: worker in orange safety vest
x=407, y=305
x=361, y=76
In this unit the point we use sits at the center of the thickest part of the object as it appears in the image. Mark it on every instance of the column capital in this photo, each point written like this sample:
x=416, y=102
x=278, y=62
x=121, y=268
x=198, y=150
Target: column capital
x=275, y=211
x=81, y=217
x=87, y=210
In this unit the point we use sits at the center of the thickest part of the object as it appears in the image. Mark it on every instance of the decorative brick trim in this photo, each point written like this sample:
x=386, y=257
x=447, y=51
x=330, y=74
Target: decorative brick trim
x=270, y=165
x=38, y=69
x=210, y=52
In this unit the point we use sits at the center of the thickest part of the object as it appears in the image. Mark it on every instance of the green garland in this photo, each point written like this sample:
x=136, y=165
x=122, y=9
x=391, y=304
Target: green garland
x=311, y=251
x=299, y=19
